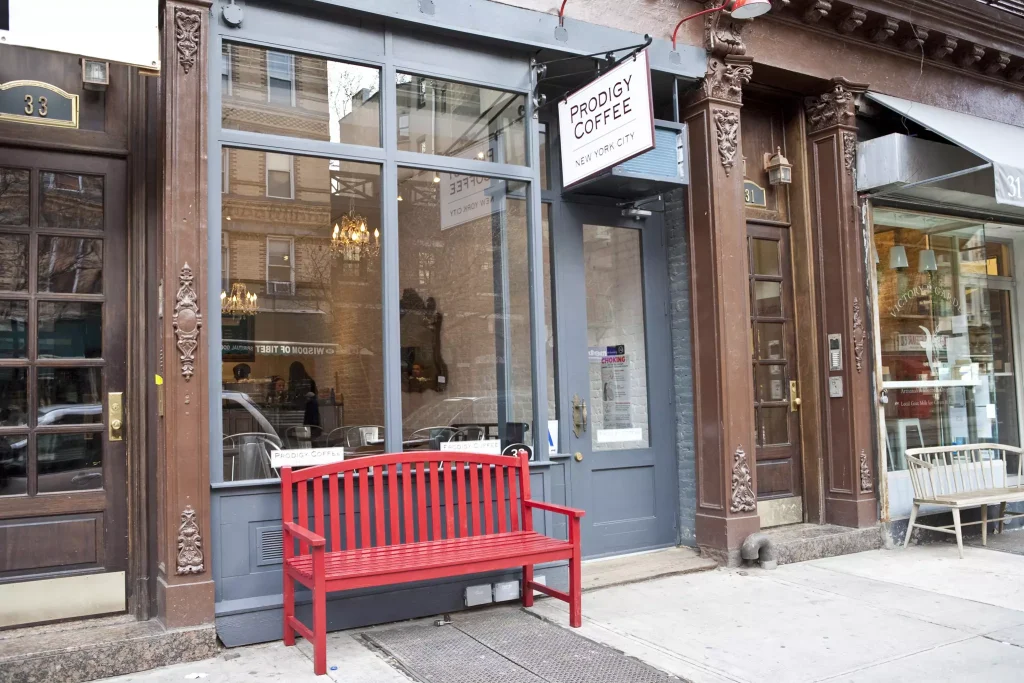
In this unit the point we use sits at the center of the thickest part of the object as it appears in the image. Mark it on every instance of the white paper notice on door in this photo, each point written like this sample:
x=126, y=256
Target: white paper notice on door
x=618, y=435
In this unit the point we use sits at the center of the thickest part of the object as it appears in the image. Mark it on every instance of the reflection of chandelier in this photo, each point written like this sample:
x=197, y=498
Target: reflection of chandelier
x=351, y=235
x=240, y=302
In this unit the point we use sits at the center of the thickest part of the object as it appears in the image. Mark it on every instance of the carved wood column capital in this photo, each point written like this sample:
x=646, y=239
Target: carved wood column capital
x=836, y=107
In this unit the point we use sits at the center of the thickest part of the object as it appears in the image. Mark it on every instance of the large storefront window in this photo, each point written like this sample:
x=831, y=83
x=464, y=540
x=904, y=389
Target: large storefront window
x=302, y=349
x=467, y=372
x=946, y=333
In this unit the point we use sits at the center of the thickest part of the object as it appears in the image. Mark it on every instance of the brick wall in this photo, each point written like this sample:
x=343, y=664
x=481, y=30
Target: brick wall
x=678, y=246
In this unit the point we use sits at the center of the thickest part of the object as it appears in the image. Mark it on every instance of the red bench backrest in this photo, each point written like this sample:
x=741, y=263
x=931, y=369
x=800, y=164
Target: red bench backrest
x=481, y=494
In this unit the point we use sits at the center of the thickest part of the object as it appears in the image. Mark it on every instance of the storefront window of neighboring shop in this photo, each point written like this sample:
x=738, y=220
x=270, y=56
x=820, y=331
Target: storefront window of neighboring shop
x=302, y=347
x=947, y=335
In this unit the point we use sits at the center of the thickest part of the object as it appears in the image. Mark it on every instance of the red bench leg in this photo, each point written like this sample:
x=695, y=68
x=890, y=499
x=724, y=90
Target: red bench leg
x=528, y=585
x=320, y=622
x=289, y=609
x=575, y=576
x=575, y=592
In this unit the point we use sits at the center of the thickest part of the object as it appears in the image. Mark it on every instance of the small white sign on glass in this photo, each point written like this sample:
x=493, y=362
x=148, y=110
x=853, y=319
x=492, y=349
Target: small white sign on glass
x=305, y=457
x=486, y=446
x=606, y=122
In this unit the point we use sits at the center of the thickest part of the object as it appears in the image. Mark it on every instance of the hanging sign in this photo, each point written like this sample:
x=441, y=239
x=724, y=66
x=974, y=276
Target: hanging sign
x=108, y=30
x=607, y=121
x=39, y=103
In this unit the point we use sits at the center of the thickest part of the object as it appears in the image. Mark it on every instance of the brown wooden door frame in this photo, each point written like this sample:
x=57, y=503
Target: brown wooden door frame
x=788, y=455
x=111, y=501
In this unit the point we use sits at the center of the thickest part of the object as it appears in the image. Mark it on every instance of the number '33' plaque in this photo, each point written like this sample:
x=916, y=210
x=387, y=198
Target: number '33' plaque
x=38, y=103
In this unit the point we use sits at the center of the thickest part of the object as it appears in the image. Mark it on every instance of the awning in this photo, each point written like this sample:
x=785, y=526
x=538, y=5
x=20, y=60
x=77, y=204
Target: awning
x=1000, y=144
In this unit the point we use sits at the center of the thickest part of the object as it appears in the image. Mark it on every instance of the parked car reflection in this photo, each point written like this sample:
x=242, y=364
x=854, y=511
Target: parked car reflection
x=65, y=462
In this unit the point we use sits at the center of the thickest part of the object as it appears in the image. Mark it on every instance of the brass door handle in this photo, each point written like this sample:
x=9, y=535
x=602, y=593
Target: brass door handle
x=794, y=398
x=115, y=407
x=579, y=415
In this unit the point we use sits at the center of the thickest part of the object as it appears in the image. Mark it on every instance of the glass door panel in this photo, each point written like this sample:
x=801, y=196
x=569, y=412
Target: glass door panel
x=616, y=338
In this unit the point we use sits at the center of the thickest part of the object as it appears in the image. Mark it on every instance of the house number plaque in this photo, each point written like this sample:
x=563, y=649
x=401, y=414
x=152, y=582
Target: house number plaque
x=38, y=103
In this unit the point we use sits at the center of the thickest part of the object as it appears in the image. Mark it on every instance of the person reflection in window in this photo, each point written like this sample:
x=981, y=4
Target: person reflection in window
x=302, y=390
x=241, y=372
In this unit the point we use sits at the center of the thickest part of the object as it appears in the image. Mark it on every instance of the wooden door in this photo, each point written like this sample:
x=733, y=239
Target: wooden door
x=773, y=346
x=63, y=292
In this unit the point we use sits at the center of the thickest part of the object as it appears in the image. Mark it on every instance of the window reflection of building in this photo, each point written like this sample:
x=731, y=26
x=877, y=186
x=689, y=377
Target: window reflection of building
x=309, y=361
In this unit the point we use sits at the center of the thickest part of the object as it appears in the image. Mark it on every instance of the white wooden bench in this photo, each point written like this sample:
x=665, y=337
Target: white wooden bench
x=961, y=477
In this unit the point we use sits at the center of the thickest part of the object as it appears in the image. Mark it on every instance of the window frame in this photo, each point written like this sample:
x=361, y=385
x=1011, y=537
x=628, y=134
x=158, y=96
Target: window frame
x=291, y=264
x=291, y=175
x=227, y=50
x=291, y=72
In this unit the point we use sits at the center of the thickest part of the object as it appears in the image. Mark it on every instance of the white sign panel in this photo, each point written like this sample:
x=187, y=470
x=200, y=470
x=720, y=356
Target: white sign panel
x=110, y=30
x=305, y=457
x=485, y=446
x=607, y=121
x=619, y=435
x=464, y=198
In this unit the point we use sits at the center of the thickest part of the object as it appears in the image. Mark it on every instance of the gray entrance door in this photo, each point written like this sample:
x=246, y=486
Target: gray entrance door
x=615, y=377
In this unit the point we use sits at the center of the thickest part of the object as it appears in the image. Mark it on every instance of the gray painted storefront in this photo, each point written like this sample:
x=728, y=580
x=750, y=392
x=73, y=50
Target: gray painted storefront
x=396, y=36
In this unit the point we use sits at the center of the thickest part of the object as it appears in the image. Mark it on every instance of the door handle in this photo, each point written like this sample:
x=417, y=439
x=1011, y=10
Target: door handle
x=794, y=397
x=579, y=415
x=115, y=409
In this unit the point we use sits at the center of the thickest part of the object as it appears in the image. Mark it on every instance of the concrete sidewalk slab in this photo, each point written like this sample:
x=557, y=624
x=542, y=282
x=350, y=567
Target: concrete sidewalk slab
x=862, y=617
x=975, y=660
x=616, y=571
x=982, y=575
x=274, y=662
x=712, y=620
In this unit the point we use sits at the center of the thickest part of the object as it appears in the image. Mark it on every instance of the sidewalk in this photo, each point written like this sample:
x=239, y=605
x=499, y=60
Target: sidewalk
x=886, y=615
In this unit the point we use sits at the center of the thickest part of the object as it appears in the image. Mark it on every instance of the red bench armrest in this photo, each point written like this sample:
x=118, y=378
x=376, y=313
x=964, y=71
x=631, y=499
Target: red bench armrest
x=305, y=535
x=551, y=507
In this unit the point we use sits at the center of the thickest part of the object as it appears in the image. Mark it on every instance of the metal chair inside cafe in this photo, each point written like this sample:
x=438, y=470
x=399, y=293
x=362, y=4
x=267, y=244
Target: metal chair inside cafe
x=431, y=438
x=250, y=455
x=302, y=436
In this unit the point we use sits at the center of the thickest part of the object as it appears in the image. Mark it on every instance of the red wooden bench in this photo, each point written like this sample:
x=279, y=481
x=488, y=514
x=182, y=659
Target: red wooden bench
x=486, y=524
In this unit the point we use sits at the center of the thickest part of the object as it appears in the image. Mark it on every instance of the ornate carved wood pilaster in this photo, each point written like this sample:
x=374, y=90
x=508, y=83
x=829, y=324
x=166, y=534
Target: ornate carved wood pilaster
x=726, y=506
x=184, y=583
x=831, y=132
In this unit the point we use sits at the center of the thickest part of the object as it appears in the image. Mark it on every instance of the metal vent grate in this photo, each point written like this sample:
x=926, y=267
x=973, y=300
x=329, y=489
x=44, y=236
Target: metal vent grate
x=1011, y=6
x=269, y=549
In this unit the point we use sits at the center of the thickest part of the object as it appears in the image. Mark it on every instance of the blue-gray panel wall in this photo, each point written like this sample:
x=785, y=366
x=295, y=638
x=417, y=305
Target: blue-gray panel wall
x=678, y=245
x=248, y=584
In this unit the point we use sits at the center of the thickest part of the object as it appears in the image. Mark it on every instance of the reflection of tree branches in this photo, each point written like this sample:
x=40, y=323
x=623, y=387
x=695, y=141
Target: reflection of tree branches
x=319, y=263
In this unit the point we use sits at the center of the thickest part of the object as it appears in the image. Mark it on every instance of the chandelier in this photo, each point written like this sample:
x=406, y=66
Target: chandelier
x=351, y=236
x=240, y=302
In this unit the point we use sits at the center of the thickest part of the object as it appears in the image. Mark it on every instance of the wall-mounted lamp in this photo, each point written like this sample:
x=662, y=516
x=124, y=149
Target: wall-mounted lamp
x=95, y=74
x=926, y=261
x=780, y=171
x=739, y=9
x=898, y=257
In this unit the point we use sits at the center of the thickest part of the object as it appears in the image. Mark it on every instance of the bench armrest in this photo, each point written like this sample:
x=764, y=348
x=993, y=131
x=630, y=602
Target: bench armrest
x=551, y=507
x=305, y=535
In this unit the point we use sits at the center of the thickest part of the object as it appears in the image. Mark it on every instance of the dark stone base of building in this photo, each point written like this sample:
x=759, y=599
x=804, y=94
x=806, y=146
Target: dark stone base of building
x=98, y=648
